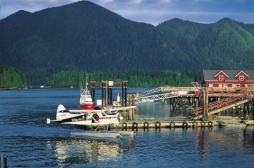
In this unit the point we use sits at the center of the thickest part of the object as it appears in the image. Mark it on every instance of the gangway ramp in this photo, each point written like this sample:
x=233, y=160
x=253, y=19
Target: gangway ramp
x=169, y=92
x=219, y=106
x=163, y=96
x=148, y=92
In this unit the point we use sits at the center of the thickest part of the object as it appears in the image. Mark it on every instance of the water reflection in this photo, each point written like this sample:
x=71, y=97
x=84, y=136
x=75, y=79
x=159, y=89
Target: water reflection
x=203, y=137
x=85, y=150
x=224, y=141
x=248, y=137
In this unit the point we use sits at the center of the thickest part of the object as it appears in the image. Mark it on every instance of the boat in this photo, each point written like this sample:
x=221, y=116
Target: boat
x=86, y=102
x=117, y=102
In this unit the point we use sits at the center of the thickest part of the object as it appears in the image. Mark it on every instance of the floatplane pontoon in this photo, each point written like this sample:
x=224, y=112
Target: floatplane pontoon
x=92, y=118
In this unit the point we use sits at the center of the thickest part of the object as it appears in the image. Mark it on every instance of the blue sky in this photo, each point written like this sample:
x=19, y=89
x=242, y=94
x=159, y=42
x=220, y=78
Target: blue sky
x=152, y=11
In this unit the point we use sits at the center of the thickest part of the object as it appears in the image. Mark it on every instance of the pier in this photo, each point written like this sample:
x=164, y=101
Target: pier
x=176, y=122
x=206, y=106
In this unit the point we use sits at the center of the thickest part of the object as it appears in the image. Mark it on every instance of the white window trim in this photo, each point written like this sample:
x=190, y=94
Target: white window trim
x=241, y=78
x=221, y=78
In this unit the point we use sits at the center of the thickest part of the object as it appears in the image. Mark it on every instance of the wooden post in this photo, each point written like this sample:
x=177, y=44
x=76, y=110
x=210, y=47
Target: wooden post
x=227, y=109
x=130, y=115
x=123, y=93
x=205, y=96
x=103, y=95
x=252, y=109
x=218, y=99
x=93, y=91
x=3, y=161
x=170, y=107
x=246, y=110
x=196, y=103
x=110, y=101
x=131, y=111
x=189, y=101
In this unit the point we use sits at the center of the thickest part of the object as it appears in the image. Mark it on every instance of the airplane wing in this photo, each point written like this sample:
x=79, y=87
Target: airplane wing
x=61, y=108
x=84, y=111
x=104, y=110
x=121, y=108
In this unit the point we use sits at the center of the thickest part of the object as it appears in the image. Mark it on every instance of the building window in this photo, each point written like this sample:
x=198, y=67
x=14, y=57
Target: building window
x=251, y=87
x=221, y=78
x=241, y=78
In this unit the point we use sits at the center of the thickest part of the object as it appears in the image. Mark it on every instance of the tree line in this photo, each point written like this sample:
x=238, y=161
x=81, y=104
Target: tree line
x=11, y=78
x=135, y=78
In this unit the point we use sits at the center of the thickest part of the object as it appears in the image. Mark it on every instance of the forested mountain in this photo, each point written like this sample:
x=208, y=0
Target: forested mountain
x=84, y=36
x=223, y=45
x=11, y=78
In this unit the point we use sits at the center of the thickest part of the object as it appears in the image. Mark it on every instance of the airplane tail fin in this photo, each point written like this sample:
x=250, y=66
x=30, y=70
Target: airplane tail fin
x=60, y=108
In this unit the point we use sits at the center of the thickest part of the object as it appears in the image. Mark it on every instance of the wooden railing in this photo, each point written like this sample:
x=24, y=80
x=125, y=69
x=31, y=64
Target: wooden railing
x=223, y=102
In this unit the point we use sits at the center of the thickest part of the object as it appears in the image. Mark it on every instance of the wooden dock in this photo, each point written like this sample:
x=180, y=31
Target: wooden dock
x=204, y=102
x=165, y=124
x=184, y=123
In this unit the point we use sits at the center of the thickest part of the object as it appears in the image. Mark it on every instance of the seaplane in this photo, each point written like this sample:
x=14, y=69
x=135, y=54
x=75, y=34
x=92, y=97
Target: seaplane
x=90, y=115
x=93, y=119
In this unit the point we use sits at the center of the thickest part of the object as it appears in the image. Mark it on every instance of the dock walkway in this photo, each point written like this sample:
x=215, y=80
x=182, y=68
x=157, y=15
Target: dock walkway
x=199, y=100
x=165, y=124
x=183, y=122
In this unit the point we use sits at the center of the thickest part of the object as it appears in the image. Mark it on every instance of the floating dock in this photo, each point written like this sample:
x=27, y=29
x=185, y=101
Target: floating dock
x=165, y=124
x=179, y=123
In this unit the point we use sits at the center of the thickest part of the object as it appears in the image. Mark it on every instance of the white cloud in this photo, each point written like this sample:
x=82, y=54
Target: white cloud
x=166, y=1
x=106, y=1
x=136, y=1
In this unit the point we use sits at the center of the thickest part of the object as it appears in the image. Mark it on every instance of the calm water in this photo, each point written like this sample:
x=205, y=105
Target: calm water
x=27, y=141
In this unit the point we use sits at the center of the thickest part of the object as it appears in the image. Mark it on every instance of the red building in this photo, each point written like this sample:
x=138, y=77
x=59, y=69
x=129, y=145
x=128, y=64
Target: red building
x=228, y=79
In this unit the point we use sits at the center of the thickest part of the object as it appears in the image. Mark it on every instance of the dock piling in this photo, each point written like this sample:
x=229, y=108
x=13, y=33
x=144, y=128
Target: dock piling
x=3, y=161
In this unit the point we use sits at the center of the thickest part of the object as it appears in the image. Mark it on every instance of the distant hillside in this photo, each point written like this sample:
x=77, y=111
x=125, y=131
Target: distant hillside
x=85, y=36
x=226, y=44
x=11, y=78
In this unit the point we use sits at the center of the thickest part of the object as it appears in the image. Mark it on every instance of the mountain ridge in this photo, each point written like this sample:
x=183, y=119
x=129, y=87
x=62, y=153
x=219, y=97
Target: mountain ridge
x=85, y=36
